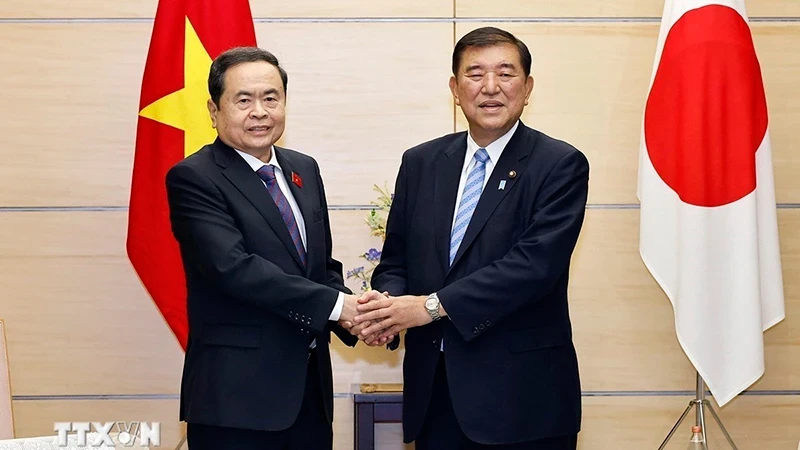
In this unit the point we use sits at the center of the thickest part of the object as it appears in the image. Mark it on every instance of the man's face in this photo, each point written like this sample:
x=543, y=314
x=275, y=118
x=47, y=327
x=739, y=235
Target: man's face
x=492, y=90
x=251, y=114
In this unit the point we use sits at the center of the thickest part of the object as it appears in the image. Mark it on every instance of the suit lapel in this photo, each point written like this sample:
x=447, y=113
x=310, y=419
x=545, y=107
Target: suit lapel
x=517, y=149
x=447, y=173
x=241, y=175
x=302, y=196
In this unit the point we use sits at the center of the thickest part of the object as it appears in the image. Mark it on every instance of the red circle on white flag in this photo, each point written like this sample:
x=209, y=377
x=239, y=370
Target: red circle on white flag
x=706, y=114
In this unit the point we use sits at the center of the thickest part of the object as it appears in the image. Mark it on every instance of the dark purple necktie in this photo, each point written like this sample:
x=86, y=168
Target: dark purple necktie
x=267, y=173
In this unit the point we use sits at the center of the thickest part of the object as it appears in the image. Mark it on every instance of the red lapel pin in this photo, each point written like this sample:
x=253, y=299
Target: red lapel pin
x=297, y=180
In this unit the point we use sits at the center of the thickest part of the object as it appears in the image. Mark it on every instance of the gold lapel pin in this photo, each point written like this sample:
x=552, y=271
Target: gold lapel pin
x=512, y=174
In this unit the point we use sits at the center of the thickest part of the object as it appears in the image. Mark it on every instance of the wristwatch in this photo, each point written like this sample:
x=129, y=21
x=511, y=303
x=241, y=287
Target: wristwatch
x=432, y=306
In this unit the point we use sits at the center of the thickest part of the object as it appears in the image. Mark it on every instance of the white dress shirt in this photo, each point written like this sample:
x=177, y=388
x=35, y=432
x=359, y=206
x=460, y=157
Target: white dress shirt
x=495, y=149
x=256, y=164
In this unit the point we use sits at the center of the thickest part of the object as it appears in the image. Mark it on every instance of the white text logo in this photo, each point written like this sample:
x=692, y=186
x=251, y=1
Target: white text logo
x=97, y=434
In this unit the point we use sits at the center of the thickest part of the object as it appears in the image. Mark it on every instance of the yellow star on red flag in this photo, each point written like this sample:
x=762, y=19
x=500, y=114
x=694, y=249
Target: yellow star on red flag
x=185, y=109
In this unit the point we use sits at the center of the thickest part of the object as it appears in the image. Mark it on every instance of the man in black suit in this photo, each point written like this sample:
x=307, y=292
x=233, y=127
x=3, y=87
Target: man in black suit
x=264, y=292
x=476, y=260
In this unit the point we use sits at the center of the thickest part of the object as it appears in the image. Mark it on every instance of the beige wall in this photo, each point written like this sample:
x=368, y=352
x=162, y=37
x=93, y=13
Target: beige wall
x=369, y=80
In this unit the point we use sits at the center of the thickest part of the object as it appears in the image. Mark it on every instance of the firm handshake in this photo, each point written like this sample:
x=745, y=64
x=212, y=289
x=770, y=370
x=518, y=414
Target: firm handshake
x=376, y=317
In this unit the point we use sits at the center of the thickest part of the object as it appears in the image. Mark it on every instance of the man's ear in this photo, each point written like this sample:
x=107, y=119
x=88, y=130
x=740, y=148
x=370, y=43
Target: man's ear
x=528, y=89
x=453, y=85
x=212, y=111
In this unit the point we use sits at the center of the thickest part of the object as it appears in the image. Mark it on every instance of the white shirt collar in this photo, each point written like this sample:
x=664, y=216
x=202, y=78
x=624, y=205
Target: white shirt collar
x=495, y=149
x=256, y=163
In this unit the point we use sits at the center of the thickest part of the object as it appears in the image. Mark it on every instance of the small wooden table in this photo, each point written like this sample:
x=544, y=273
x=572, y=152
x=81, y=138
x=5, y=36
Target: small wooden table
x=377, y=403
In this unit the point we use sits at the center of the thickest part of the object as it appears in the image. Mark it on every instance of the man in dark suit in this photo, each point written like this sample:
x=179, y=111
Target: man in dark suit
x=264, y=292
x=476, y=261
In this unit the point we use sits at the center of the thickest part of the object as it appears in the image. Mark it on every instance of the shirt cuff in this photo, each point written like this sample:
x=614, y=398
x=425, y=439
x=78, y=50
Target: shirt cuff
x=337, y=309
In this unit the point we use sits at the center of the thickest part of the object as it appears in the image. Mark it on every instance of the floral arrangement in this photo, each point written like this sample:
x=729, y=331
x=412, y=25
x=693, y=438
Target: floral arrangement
x=376, y=221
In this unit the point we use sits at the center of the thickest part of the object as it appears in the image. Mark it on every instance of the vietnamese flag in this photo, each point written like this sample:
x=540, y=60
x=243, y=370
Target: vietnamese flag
x=173, y=123
x=708, y=220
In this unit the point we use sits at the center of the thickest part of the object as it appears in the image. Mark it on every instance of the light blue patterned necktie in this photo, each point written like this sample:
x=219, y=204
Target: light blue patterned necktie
x=469, y=200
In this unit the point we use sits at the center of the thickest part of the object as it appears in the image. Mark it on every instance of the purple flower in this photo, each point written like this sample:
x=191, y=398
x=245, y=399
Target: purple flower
x=355, y=272
x=373, y=255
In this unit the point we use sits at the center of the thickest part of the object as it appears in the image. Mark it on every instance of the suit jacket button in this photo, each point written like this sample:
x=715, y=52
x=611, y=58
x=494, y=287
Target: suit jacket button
x=488, y=324
x=482, y=327
x=475, y=330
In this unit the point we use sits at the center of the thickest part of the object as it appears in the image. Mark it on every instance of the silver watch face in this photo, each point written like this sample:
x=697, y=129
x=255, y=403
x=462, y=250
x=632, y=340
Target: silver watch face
x=431, y=304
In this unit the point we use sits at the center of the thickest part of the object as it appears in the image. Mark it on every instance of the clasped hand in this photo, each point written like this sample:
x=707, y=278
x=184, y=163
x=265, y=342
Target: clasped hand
x=376, y=317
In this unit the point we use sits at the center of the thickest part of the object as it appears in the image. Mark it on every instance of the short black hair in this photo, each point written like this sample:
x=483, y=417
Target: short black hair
x=236, y=56
x=487, y=37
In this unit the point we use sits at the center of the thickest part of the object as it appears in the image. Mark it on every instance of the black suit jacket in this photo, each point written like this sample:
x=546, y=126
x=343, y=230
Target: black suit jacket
x=512, y=368
x=253, y=309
